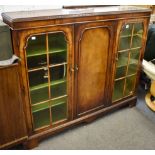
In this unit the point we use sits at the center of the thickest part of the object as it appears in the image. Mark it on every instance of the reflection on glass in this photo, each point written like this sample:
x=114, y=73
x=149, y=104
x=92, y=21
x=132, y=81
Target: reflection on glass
x=118, y=90
x=138, y=29
x=137, y=36
x=136, y=41
x=132, y=69
x=36, y=45
x=120, y=72
x=127, y=30
x=124, y=43
x=130, y=81
x=122, y=59
x=134, y=56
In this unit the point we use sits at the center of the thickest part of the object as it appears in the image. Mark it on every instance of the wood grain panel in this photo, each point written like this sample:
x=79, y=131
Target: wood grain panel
x=12, y=123
x=92, y=68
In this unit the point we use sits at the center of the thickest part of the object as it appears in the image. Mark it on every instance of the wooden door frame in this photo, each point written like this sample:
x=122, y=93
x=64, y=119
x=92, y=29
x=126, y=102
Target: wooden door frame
x=79, y=31
x=20, y=39
x=121, y=23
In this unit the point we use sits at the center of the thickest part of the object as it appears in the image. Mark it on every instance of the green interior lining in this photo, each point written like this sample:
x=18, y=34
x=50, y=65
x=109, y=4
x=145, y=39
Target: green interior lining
x=36, y=57
x=59, y=112
x=53, y=83
x=41, y=52
x=41, y=118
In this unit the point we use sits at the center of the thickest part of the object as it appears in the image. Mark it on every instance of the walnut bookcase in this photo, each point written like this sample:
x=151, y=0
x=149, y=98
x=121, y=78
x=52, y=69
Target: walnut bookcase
x=76, y=64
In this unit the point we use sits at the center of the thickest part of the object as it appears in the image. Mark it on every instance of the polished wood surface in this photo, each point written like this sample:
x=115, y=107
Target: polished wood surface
x=12, y=120
x=23, y=37
x=85, y=6
x=93, y=47
x=40, y=18
x=93, y=37
x=66, y=13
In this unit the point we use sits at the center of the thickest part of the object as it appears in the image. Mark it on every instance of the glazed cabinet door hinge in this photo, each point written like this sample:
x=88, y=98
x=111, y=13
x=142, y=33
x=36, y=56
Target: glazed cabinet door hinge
x=74, y=69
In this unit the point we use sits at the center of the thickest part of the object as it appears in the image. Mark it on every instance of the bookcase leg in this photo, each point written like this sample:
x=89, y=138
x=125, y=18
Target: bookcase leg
x=133, y=103
x=30, y=144
x=90, y=120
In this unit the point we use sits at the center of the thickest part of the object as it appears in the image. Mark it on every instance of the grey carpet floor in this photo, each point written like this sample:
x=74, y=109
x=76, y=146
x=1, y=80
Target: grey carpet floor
x=127, y=128
x=142, y=106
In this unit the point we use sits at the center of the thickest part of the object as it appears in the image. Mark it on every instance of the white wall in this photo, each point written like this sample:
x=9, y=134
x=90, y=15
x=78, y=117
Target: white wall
x=8, y=8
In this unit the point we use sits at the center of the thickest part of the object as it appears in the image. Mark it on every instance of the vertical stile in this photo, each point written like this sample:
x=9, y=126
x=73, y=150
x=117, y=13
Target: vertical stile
x=49, y=81
x=128, y=63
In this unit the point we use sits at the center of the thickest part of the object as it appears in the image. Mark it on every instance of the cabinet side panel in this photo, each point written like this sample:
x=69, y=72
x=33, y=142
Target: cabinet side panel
x=12, y=123
x=93, y=58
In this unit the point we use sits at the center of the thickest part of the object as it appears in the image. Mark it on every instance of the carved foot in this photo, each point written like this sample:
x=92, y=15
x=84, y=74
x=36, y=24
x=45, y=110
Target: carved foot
x=30, y=144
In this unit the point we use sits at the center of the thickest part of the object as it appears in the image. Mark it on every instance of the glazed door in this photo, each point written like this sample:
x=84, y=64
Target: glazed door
x=93, y=50
x=128, y=58
x=49, y=82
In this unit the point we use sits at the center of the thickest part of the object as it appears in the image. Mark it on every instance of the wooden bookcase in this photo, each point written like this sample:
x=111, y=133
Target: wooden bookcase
x=76, y=64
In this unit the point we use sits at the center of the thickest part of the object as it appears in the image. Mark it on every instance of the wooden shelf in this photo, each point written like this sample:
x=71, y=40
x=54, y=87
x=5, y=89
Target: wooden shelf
x=42, y=52
x=126, y=36
x=129, y=49
x=57, y=50
x=39, y=86
x=40, y=107
x=53, y=83
x=126, y=76
x=56, y=82
x=132, y=61
x=48, y=104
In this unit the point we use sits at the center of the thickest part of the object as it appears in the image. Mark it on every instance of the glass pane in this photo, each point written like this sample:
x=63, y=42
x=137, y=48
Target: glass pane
x=130, y=81
x=37, y=61
x=57, y=42
x=132, y=69
x=59, y=89
x=59, y=57
x=122, y=59
x=59, y=112
x=124, y=43
x=39, y=94
x=127, y=30
x=41, y=118
x=58, y=72
x=36, y=45
x=134, y=56
x=120, y=72
x=137, y=37
x=118, y=90
x=136, y=41
x=138, y=29
x=38, y=77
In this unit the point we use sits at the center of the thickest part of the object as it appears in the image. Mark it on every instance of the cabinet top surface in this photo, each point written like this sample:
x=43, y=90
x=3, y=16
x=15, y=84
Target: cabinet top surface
x=22, y=16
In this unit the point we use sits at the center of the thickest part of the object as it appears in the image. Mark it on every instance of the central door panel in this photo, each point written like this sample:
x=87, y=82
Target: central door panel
x=93, y=52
